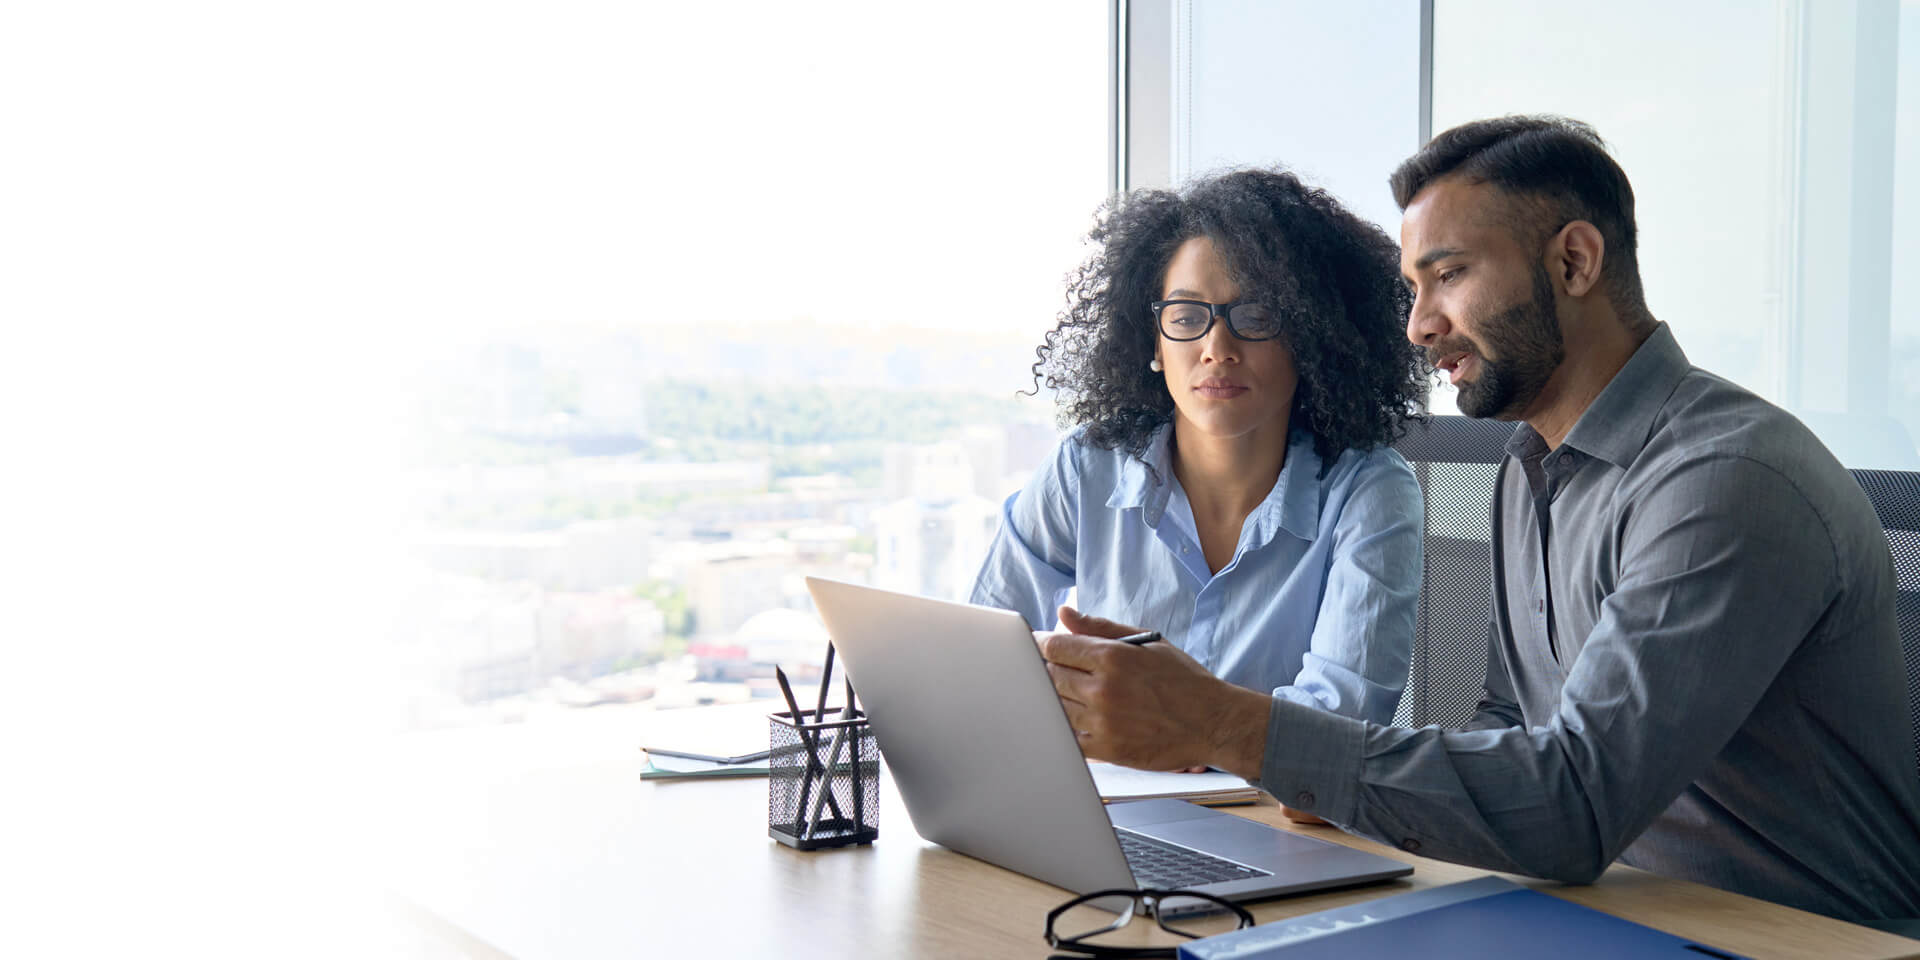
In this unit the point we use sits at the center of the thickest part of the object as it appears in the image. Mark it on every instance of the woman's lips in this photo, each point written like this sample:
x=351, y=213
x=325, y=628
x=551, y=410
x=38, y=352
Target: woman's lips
x=1219, y=390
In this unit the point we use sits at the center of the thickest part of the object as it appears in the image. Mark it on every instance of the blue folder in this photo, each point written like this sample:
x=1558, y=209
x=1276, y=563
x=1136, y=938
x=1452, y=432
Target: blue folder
x=1460, y=921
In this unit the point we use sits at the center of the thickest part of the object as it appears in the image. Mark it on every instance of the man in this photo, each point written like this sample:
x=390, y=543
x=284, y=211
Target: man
x=1694, y=666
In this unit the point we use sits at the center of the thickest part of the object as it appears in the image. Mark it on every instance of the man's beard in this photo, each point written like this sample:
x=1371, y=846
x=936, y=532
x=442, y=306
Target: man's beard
x=1527, y=338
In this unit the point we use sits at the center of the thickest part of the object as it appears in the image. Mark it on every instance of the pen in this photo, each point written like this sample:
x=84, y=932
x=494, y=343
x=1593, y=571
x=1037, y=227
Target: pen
x=813, y=755
x=826, y=782
x=743, y=758
x=833, y=755
x=813, y=759
x=1139, y=638
x=826, y=677
x=847, y=713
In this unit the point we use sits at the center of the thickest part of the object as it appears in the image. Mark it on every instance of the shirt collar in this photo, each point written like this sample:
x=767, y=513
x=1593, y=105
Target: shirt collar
x=1146, y=484
x=1615, y=427
x=1293, y=505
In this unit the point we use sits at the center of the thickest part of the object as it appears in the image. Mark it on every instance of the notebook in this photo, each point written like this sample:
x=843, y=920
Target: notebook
x=980, y=749
x=661, y=767
x=1115, y=783
x=1212, y=788
x=1470, y=920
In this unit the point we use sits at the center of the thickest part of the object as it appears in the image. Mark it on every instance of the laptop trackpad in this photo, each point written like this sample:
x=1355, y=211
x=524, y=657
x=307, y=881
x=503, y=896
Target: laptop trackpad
x=1196, y=826
x=1249, y=842
x=1142, y=813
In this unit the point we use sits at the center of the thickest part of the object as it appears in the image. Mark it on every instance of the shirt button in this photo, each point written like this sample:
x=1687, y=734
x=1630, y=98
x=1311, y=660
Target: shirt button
x=1303, y=800
x=1186, y=549
x=1410, y=845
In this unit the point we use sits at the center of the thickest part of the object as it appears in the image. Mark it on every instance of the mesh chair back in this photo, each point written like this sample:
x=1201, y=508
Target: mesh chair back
x=1456, y=460
x=1896, y=498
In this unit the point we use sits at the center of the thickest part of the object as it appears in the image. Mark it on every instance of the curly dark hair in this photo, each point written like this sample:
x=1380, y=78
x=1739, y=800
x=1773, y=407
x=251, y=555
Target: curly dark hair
x=1332, y=278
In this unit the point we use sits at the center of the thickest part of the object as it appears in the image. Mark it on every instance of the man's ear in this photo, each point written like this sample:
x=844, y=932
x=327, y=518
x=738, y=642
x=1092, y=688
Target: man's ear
x=1575, y=256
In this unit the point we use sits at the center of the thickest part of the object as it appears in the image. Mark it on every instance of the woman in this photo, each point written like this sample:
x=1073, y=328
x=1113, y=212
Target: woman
x=1234, y=355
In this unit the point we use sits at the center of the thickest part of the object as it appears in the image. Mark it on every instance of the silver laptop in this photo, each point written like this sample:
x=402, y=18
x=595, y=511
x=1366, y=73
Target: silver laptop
x=981, y=751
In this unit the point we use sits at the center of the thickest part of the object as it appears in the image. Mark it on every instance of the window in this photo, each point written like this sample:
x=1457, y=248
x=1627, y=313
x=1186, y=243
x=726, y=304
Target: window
x=1772, y=151
x=1331, y=91
x=1761, y=142
x=749, y=296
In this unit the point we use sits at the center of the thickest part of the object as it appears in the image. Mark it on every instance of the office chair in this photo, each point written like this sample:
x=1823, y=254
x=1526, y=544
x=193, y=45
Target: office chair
x=1896, y=498
x=1455, y=460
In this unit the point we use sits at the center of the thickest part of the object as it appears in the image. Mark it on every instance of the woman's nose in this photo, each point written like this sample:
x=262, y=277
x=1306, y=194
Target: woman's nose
x=1220, y=345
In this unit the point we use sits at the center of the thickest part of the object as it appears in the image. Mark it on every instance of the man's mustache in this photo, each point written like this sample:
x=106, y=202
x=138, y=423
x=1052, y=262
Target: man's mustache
x=1446, y=348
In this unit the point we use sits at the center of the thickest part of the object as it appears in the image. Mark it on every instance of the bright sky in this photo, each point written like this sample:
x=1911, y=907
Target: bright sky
x=621, y=164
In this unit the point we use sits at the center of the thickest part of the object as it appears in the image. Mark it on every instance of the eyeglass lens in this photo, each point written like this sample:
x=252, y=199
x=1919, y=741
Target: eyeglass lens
x=1099, y=926
x=1189, y=321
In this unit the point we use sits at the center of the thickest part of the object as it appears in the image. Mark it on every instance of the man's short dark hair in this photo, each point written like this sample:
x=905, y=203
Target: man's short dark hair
x=1557, y=170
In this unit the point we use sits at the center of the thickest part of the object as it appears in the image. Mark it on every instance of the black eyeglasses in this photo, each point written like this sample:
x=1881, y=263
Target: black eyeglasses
x=1191, y=319
x=1182, y=912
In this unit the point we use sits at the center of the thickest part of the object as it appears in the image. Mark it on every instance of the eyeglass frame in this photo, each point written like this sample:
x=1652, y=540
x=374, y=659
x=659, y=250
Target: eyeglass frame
x=1215, y=312
x=1145, y=900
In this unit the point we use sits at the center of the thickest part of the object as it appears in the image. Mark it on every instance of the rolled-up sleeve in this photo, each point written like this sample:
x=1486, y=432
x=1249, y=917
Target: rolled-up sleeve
x=1708, y=608
x=1030, y=566
x=1356, y=661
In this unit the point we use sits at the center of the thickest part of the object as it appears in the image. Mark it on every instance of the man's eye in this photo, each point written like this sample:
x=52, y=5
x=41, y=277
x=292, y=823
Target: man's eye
x=1449, y=276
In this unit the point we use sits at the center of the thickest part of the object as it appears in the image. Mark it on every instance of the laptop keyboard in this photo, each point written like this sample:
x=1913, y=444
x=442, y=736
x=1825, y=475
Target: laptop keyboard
x=1157, y=863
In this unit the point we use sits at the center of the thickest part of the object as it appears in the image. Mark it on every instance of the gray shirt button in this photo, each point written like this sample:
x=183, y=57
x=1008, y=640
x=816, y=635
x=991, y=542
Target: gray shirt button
x=1303, y=799
x=1410, y=845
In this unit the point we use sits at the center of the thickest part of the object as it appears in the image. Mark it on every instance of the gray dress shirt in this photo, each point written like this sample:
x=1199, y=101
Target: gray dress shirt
x=1694, y=668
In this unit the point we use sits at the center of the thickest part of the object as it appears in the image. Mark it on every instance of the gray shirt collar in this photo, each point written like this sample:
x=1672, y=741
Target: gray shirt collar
x=1615, y=427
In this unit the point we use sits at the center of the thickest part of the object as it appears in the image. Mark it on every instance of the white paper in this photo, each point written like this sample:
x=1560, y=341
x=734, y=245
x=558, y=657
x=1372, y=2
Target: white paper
x=1126, y=783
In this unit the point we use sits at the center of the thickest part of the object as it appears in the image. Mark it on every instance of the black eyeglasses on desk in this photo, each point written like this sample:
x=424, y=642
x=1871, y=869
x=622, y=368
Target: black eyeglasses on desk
x=1181, y=912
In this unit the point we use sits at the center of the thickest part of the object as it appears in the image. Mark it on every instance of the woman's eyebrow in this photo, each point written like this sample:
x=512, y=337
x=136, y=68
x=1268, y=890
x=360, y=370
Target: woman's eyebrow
x=1183, y=294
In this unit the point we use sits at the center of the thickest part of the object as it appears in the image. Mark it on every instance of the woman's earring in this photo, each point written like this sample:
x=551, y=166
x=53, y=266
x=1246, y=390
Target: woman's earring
x=1154, y=365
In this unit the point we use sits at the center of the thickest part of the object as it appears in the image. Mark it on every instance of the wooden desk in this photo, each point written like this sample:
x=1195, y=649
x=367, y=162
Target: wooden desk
x=540, y=841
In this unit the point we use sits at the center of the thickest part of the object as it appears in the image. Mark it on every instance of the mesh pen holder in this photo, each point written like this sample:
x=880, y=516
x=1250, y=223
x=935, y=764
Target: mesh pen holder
x=823, y=781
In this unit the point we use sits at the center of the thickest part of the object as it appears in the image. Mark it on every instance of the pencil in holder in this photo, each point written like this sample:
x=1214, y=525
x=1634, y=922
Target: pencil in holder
x=823, y=781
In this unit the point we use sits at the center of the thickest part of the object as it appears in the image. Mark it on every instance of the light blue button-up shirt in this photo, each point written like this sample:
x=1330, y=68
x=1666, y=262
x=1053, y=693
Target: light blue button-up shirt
x=1316, y=606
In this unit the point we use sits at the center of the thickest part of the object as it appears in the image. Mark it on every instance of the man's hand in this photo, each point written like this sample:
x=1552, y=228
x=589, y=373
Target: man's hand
x=1299, y=816
x=1151, y=706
